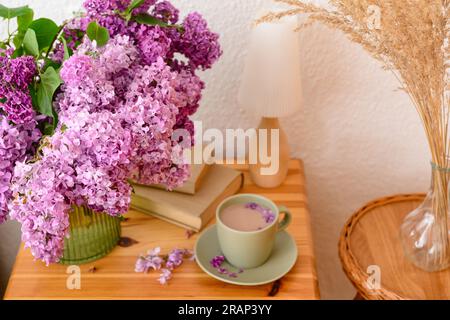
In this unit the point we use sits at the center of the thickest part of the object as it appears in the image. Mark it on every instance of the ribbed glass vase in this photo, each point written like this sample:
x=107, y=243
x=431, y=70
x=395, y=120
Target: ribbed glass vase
x=92, y=236
x=425, y=231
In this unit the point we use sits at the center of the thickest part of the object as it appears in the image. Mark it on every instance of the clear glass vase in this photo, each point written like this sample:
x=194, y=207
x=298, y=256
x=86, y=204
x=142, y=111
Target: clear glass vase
x=92, y=236
x=424, y=232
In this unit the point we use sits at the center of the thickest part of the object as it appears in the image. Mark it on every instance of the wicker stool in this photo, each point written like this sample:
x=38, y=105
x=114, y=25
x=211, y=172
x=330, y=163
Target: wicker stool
x=370, y=250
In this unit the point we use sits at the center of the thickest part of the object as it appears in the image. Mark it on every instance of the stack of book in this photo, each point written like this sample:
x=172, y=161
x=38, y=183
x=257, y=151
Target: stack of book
x=194, y=204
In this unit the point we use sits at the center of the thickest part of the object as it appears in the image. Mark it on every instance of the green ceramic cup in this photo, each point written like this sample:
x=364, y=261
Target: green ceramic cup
x=250, y=249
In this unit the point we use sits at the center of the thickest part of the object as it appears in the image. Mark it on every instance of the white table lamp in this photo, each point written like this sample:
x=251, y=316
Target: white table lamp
x=271, y=87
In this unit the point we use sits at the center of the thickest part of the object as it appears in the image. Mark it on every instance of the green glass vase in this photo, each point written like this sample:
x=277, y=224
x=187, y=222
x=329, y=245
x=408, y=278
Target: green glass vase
x=92, y=236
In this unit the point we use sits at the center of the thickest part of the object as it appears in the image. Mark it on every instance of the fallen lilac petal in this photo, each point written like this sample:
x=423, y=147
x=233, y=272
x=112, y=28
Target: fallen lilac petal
x=165, y=276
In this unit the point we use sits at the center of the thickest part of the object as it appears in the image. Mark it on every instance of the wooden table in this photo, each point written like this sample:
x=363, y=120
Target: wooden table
x=370, y=242
x=113, y=277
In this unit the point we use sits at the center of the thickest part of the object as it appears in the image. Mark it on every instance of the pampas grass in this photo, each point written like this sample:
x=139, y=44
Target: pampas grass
x=412, y=41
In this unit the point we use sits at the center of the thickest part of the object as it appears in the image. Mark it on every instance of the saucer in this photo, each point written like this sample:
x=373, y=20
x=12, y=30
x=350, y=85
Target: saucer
x=283, y=258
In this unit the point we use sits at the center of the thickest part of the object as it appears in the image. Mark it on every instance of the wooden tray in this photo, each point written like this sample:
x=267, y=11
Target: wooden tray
x=371, y=237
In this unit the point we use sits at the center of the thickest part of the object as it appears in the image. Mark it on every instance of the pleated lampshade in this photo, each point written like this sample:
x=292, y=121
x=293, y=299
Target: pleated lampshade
x=271, y=83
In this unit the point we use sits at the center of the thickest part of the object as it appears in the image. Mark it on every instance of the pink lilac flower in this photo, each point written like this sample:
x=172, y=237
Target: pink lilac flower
x=118, y=108
x=42, y=210
x=76, y=69
x=102, y=141
x=16, y=145
x=83, y=163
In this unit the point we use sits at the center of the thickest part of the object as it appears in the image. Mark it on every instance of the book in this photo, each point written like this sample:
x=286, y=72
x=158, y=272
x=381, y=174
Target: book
x=198, y=172
x=189, y=211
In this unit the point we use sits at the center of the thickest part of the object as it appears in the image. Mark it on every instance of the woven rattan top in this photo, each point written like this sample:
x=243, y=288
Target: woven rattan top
x=370, y=249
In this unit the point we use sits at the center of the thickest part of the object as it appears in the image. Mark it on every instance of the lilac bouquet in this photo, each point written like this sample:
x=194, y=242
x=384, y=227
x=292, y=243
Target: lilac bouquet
x=96, y=105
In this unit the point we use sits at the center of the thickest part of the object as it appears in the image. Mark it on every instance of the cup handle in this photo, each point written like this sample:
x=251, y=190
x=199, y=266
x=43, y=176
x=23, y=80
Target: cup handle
x=286, y=219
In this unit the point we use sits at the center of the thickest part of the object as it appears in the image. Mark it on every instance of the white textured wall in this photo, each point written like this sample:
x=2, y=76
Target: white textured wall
x=359, y=137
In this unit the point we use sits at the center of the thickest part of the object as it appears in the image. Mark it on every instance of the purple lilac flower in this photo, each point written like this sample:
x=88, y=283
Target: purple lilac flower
x=252, y=205
x=15, y=77
x=115, y=24
x=217, y=263
x=150, y=261
x=145, y=7
x=154, y=43
x=165, y=276
x=165, y=11
x=102, y=6
x=57, y=55
x=175, y=259
x=99, y=6
x=198, y=43
x=120, y=4
x=73, y=33
x=153, y=260
x=18, y=72
x=267, y=214
x=18, y=106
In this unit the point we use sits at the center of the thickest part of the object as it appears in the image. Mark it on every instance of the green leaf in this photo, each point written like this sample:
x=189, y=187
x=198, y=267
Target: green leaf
x=66, y=49
x=50, y=63
x=33, y=95
x=30, y=43
x=9, y=13
x=149, y=20
x=24, y=21
x=18, y=39
x=46, y=31
x=50, y=82
x=18, y=53
x=135, y=4
x=97, y=33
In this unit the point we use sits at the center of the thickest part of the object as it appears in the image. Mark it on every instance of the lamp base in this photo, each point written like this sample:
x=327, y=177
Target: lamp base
x=276, y=179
